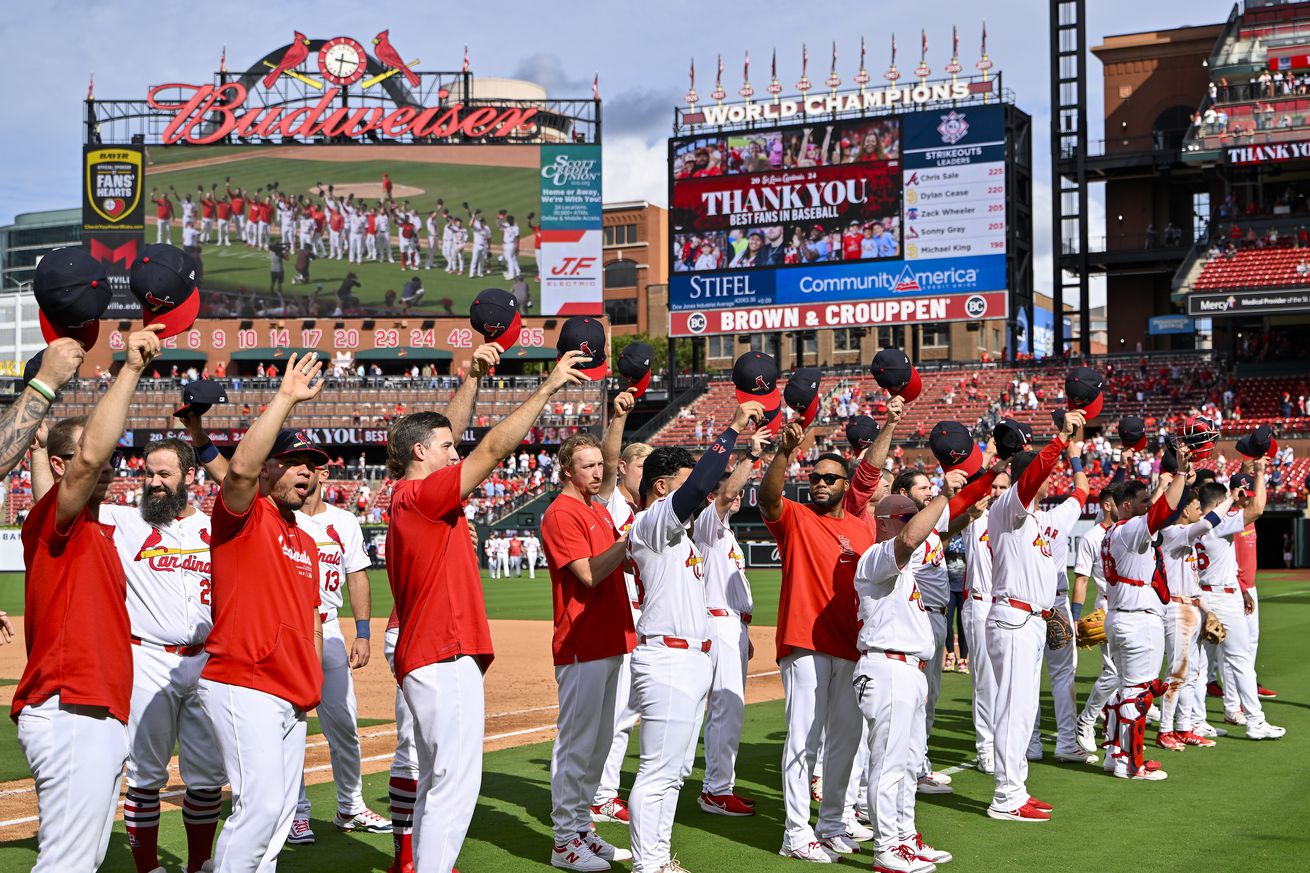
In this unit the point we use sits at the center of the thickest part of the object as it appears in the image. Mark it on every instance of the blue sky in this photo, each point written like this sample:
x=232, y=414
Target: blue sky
x=640, y=50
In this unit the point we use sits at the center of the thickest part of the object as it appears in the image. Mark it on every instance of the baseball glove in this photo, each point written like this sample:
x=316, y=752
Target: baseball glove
x=1059, y=633
x=1091, y=629
x=1213, y=630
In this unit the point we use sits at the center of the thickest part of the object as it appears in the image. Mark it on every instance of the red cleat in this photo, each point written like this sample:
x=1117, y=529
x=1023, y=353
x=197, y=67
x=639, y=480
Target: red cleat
x=748, y=801
x=724, y=804
x=1039, y=804
x=1191, y=739
x=1212, y=689
x=1025, y=813
x=1262, y=691
x=614, y=810
x=1170, y=740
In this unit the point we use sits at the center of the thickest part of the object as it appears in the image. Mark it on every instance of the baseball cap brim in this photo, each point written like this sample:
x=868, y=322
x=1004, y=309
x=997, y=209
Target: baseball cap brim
x=86, y=334
x=176, y=320
x=1091, y=410
x=510, y=337
x=319, y=454
x=810, y=412
x=771, y=401
x=910, y=391
x=596, y=373
x=1137, y=445
x=192, y=408
x=971, y=464
x=772, y=420
x=639, y=386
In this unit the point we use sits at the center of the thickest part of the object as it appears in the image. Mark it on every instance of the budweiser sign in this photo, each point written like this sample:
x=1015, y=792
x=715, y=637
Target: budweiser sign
x=212, y=113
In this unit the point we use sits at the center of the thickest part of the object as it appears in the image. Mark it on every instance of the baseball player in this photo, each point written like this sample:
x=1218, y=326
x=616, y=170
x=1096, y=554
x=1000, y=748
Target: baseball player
x=1184, y=700
x=266, y=646
x=163, y=217
x=516, y=554
x=224, y=221
x=73, y=701
x=448, y=242
x=1217, y=563
x=593, y=633
x=490, y=549
x=264, y=225
x=1057, y=525
x=1023, y=591
x=481, y=246
x=434, y=239
x=382, y=231
x=458, y=241
x=286, y=223
x=403, y=785
x=207, y=210
x=237, y=198
x=819, y=543
x=1244, y=546
x=671, y=665
x=977, y=605
x=621, y=501
x=509, y=233
x=342, y=560
x=441, y=653
x=164, y=548
x=729, y=605
x=895, y=642
x=1136, y=595
x=188, y=209
x=502, y=556
x=1088, y=567
x=356, y=222
x=531, y=550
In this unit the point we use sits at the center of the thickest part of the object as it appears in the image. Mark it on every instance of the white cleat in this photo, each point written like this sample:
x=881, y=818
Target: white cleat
x=986, y=764
x=673, y=867
x=1076, y=757
x=925, y=852
x=938, y=777
x=1264, y=731
x=1086, y=737
x=815, y=853
x=1205, y=729
x=604, y=850
x=901, y=859
x=927, y=785
x=1141, y=774
x=856, y=831
x=575, y=855
x=1238, y=717
x=301, y=834
x=367, y=821
x=840, y=845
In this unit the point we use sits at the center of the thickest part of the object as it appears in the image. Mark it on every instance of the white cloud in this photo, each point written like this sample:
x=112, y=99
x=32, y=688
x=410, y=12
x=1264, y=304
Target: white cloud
x=635, y=170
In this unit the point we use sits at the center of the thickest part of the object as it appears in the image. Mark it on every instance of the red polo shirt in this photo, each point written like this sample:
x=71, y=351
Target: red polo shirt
x=590, y=623
x=817, y=606
x=79, y=639
x=264, y=571
x=434, y=575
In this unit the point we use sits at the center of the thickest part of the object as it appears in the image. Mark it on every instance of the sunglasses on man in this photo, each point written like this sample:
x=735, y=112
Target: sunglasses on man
x=829, y=479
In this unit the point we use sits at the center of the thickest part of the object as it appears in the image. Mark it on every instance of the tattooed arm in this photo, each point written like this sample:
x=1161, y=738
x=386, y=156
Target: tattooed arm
x=19, y=422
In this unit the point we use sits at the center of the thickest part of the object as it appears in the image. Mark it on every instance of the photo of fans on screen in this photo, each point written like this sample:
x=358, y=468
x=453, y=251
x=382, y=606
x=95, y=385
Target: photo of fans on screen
x=812, y=145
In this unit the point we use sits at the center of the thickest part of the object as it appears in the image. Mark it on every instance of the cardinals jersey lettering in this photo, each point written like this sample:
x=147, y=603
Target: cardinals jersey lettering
x=977, y=559
x=672, y=573
x=623, y=513
x=1087, y=561
x=726, y=586
x=1021, y=567
x=167, y=568
x=891, y=611
x=1056, y=526
x=929, y=565
x=1215, y=553
x=1129, y=556
x=1177, y=543
x=340, y=543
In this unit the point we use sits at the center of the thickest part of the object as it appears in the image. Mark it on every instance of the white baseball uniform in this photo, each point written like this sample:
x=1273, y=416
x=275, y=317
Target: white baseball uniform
x=1061, y=664
x=531, y=550
x=730, y=604
x=1137, y=615
x=382, y=230
x=1217, y=563
x=625, y=706
x=1023, y=589
x=977, y=604
x=340, y=543
x=929, y=563
x=1087, y=562
x=502, y=557
x=670, y=674
x=896, y=641
x=1181, y=707
x=510, y=239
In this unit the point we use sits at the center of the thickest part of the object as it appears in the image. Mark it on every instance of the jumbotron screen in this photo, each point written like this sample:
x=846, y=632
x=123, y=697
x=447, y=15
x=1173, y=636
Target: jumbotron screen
x=884, y=220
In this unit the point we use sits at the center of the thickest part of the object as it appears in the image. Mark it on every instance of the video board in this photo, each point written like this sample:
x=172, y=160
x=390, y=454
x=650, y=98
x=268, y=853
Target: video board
x=839, y=223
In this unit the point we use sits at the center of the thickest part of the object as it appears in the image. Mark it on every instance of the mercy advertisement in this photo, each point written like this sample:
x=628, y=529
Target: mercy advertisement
x=799, y=220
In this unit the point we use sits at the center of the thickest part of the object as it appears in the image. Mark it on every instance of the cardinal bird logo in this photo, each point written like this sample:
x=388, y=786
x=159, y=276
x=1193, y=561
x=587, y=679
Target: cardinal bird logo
x=292, y=58
x=391, y=58
x=696, y=563
x=157, y=303
x=150, y=548
x=493, y=330
x=204, y=535
x=761, y=385
x=335, y=537
x=585, y=348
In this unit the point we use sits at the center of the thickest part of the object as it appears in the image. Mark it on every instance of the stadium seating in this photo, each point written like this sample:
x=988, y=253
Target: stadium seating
x=1254, y=269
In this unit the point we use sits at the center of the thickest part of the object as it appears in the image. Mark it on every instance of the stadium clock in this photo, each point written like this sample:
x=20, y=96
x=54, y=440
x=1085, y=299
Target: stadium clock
x=342, y=61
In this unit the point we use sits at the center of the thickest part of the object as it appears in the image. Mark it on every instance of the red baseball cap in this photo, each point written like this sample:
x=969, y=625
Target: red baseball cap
x=163, y=278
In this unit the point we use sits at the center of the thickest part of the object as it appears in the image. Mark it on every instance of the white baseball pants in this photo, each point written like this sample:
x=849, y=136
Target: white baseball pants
x=1182, y=634
x=625, y=719
x=166, y=711
x=1237, y=655
x=820, y=703
x=1232, y=700
x=982, y=674
x=1061, y=667
x=449, y=708
x=933, y=673
x=262, y=739
x=337, y=715
x=404, y=763
x=670, y=687
x=727, y=706
x=892, y=697
x=587, y=692
x=1015, y=640
x=76, y=756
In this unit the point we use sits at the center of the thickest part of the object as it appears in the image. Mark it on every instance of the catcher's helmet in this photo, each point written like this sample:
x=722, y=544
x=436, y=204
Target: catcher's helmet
x=1199, y=434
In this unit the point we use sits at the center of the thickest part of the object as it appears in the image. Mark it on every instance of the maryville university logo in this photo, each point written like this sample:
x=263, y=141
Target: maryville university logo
x=113, y=183
x=953, y=127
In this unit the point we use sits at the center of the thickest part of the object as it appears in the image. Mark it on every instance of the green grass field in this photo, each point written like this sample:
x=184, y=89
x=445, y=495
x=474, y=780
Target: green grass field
x=489, y=188
x=1240, y=806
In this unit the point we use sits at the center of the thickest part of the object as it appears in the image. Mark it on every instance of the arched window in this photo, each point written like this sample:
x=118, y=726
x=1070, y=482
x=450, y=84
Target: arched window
x=621, y=274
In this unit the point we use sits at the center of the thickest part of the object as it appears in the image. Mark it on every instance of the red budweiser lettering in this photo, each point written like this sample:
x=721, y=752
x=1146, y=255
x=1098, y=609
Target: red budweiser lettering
x=213, y=113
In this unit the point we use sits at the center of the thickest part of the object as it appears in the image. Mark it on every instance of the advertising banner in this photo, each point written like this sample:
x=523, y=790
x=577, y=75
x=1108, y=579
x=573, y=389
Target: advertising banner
x=811, y=316
x=572, y=272
x=113, y=216
x=1221, y=303
x=570, y=187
